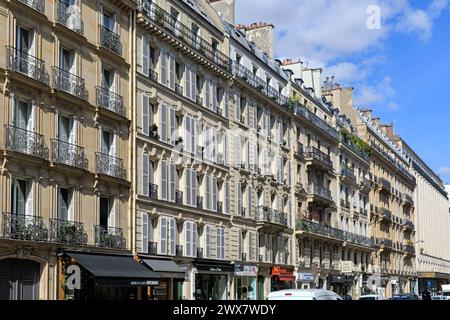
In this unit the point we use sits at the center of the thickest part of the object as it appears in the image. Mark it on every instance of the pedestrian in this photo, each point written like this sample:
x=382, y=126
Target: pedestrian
x=426, y=294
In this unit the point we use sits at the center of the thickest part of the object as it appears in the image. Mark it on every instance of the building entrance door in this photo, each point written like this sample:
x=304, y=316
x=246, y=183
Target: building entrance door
x=19, y=279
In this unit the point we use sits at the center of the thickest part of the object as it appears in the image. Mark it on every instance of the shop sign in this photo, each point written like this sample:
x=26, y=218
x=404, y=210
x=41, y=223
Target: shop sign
x=277, y=270
x=144, y=283
x=245, y=270
x=305, y=277
x=346, y=266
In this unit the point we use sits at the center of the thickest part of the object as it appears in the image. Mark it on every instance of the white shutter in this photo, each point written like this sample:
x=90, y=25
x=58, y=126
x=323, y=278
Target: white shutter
x=31, y=116
x=29, y=201
x=145, y=55
x=227, y=197
x=172, y=120
x=187, y=238
x=188, y=134
x=250, y=202
x=239, y=198
x=237, y=112
x=172, y=71
x=172, y=179
x=163, y=168
x=172, y=236
x=145, y=114
x=194, y=239
x=226, y=108
x=163, y=127
x=214, y=96
x=251, y=155
x=188, y=82
x=193, y=85
x=194, y=187
x=144, y=232
x=145, y=174
x=71, y=211
x=237, y=150
x=112, y=212
x=207, y=94
x=240, y=241
x=164, y=68
x=214, y=194
x=207, y=241
x=208, y=192
x=188, y=198
x=226, y=149
x=163, y=235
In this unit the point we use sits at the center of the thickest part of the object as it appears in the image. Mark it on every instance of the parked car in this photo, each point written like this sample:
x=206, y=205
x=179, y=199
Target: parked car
x=438, y=297
x=405, y=296
x=303, y=294
x=371, y=297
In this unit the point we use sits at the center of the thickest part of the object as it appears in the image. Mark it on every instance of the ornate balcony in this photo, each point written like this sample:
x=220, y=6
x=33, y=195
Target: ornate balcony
x=270, y=218
x=110, y=101
x=153, y=247
x=384, y=184
x=319, y=229
x=69, y=16
x=70, y=83
x=109, y=165
x=24, y=141
x=407, y=200
x=38, y=5
x=348, y=173
x=387, y=243
x=26, y=64
x=358, y=239
x=408, y=225
x=409, y=249
x=178, y=89
x=165, y=21
x=219, y=207
x=366, y=184
x=305, y=113
x=386, y=214
x=68, y=154
x=110, y=40
x=318, y=157
x=23, y=227
x=70, y=232
x=299, y=149
x=109, y=237
x=316, y=191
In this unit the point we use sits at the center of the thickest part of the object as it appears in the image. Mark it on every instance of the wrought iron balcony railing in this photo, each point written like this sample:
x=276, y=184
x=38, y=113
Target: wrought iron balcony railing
x=385, y=184
x=178, y=89
x=23, y=227
x=409, y=249
x=366, y=183
x=166, y=21
x=299, y=150
x=153, y=247
x=305, y=113
x=268, y=215
x=386, y=214
x=26, y=64
x=320, y=229
x=109, y=237
x=408, y=224
x=110, y=101
x=70, y=232
x=358, y=239
x=316, y=190
x=349, y=173
x=38, y=5
x=68, y=15
x=110, y=40
x=68, y=154
x=320, y=156
x=109, y=165
x=70, y=83
x=24, y=141
x=219, y=207
x=386, y=242
x=407, y=199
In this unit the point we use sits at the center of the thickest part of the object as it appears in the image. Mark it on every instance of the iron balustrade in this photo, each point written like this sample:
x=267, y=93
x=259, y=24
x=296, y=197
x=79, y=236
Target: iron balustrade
x=23, y=227
x=109, y=237
x=69, y=16
x=109, y=165
x=70, y=83
x=178, y=197
x=178, y=89
x=22, y=62
x=166, y=21
x=320, y=156
x=387, y=243
x=111, y=101
x=305, y=113
x=386, y=213
x=64, y=231
x=199, y=202
x=110, y=40
x=408, y=199
x=385, y=184
x=199, y=100
x=409, y=249
x=219, y=207
x=178, y=250
x=69, y=154
x=152, y=247
x=38, y=5
x=366, y=183
x=24, y=141
x=265, y=214
x=320, y=191
x=299, y=149
x=350, y=173
x=408, y=224
x=153, y=75
x=153, y=191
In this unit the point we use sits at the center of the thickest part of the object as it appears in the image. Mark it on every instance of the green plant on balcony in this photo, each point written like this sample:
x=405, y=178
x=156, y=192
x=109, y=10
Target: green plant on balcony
x=68, y=231
x=409, y=243
x=304, y=226
x=25, y=230
x=108, y=240
x=355, y=141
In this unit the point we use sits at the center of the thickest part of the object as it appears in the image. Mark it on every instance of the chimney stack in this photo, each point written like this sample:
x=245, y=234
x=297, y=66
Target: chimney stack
x=225, y=8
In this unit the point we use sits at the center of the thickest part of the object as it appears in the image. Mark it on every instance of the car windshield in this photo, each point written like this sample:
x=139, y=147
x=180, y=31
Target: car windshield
x=367, y=298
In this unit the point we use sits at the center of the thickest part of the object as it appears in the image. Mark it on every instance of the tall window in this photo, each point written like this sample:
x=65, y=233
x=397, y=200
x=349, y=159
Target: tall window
x=168, y=123
x=167, y=69
x=211, y=192
x=191, y=187
x=207, y=238
x=190, y=232
x=65, y=204
x=22, y=197
x=107, y=212
x=220, y=243
x=191, y=134
x=167, y=235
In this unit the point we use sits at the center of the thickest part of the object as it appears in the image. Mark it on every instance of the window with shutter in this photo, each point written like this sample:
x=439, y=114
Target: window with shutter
x=214, y=194
x=164, y=68
x=163, y=235
x=237, y=111
x=144, y=232
x=164, y=180
x=145, y=114
x=145, y=55
x=172, y=179
x=188, y=83
x=239, y=199
x=172, y=236
x=208, y=192
x=145, y=175
x=207, y=241
x=227, y=197
x=163, y=122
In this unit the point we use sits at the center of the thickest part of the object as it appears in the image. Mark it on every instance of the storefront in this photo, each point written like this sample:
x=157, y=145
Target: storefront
x=432, y=281
x=281, y=278
x=171, y=278
x=305, y=280
x=212, y=280
x=245, y=281
x=90, y=276
x=337, y=284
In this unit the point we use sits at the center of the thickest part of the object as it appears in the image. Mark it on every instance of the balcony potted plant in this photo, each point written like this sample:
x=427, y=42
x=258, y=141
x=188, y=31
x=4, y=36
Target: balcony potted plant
x=108, y=240
x=67, y=232
x=24, y=230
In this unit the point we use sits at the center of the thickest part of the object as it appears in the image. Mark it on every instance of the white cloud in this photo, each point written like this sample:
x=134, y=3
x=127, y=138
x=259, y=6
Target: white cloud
x=445, y=171
x=382, y=91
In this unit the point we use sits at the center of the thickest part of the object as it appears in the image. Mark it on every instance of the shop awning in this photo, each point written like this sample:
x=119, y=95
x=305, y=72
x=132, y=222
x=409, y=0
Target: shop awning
x=165, y=268
x=115, y=270
x=285, y=278
x=213, y=266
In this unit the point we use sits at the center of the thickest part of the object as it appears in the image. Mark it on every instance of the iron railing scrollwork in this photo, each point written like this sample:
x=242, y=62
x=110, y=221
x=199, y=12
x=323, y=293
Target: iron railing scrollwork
x=27, y=64
x=65, y=231
x=109, y=237
x=70, y=83
x=110, y=40
x=24, y=141
x=23, y=227
x=110, y=101
x=69, y=16
x=265, y=214
x=109, y=165
x=69, y=154
x=38, y=5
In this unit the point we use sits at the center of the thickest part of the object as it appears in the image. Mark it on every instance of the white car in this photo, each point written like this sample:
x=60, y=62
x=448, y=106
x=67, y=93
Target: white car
x=371, y=297
x=303, y=294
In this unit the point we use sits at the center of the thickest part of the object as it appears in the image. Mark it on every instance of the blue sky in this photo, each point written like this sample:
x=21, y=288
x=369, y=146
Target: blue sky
x=401, y=71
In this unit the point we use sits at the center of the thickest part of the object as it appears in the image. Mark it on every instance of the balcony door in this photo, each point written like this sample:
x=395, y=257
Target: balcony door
x=25, y=46
x=108, y=143
x=108, y=80
x=72, y=14
x=67, y=60
x=65, y=204
x=107, y=212
x=22, y=198
x=23, y=115
x=108, y=20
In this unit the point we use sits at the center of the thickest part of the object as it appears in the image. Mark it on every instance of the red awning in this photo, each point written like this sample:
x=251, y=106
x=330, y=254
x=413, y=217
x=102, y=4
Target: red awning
x=285, y=278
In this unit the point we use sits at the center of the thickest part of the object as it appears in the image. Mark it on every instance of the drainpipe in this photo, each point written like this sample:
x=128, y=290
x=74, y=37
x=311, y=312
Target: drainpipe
x=132, y=145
